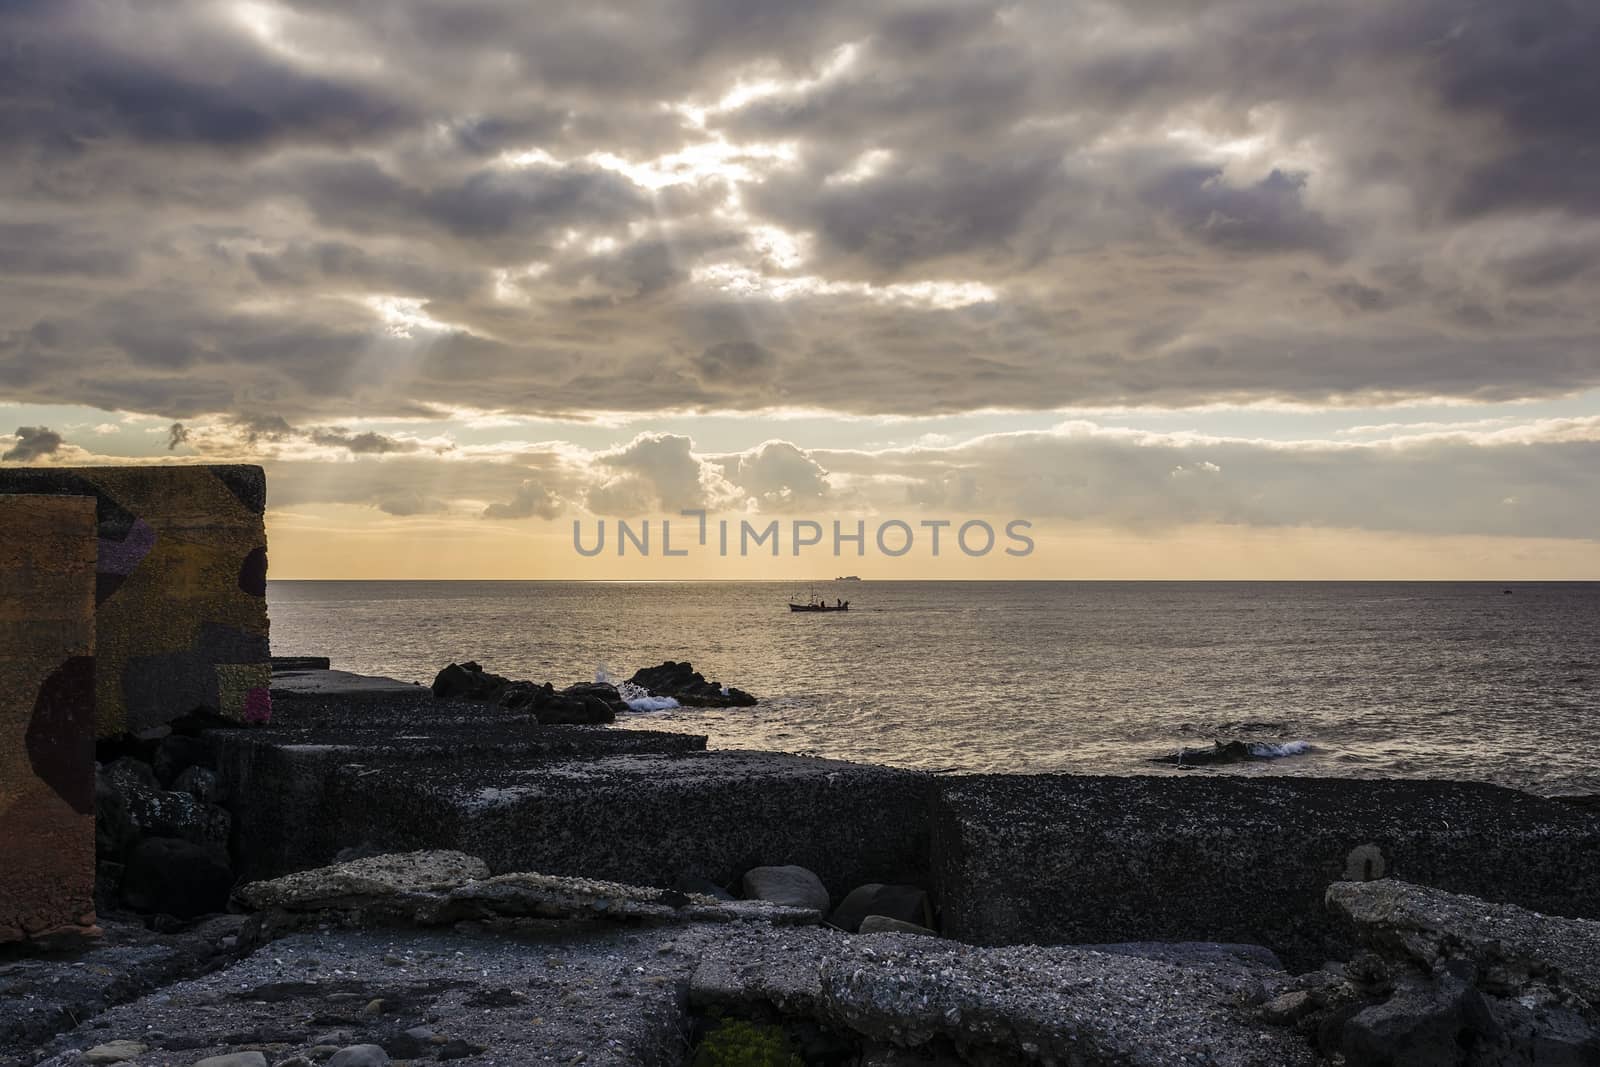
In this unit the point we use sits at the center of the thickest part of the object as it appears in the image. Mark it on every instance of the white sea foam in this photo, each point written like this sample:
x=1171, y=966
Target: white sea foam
x=1270, y=750
x=637, y=697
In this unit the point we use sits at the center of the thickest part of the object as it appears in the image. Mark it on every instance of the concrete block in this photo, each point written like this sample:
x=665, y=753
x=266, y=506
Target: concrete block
x=652, y=819
x=1062, y=859
x=47, y=581
x=181, y=610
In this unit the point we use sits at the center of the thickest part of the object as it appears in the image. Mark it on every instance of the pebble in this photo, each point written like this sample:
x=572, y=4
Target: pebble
x=113, y=1052
x=235, y=1059
x=359, y=1056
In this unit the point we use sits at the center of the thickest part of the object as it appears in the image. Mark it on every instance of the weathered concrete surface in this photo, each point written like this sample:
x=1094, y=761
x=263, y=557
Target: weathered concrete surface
x=1060, y=859
x=181, y=617
x=47, y=561
x=43, y=995
x=1004, y=1005
x=285, y=779
x=438, y=888
x=654, y=819
x=325, y=682
x=609, y=994
x=1429, y=927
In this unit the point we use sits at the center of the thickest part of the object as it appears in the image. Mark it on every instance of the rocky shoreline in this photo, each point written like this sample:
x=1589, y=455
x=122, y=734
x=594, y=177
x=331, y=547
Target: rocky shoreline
x=588, y=894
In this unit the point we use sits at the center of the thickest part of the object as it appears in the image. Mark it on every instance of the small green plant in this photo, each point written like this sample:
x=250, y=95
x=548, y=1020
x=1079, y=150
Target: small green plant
x=739, y=1043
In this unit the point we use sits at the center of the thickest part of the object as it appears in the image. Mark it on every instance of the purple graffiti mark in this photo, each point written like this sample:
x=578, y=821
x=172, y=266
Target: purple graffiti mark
x=60, y=737
x=258, y=705
x=121, y=557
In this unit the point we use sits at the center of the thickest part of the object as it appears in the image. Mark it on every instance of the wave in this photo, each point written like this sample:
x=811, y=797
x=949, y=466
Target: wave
x=1269, y=750
x=637, y=697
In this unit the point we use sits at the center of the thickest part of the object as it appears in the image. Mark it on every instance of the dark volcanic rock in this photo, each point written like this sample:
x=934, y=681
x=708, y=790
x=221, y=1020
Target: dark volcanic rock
x=175, y=877
x=689, y=687
x=468, y=681
x=1225, y=752
x=906, y=903
x=586, y=703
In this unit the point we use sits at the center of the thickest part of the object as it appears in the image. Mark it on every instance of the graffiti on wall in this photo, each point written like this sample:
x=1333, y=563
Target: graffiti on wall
x=180, y=589
x=47, y=582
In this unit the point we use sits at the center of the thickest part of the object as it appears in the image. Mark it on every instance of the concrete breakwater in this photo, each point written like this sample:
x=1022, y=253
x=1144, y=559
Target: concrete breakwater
x=1007, y=859
x=1146, y=920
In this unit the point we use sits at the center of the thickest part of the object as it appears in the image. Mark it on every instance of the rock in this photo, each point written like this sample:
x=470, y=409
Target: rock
x=178, y=753
x=467, y=681
x=443, y=888
x=458, y=1049
x=604, y=692
x=904, y=902
x=1222, y=752
x=795, y=887
x=703, y=887
x=552, y=708
x=689, y=687
x=158, y=812
x=359, y=1056
x=234, y=1059
x=1517, y=947
x=202, y=783
x=175, y=877
x=1425, y=1023
x=885, y=924
x=126, y=773
x=114, y=829
x=293, y=1061
x=1287, y=1008
x=113, y=1052
x=355, y=881
x=1511, y=985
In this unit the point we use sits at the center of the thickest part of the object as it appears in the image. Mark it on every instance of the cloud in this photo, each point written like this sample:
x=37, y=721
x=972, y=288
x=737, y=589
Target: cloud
x=529, y=500
x=177, y=434
x=299, y=210
x=33, y=442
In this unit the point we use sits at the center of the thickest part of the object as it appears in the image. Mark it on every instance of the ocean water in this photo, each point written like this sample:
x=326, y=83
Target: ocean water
x=1354, y=679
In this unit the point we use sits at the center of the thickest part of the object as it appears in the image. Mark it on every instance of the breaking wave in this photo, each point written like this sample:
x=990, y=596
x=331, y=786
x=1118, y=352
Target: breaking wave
x=637, y=697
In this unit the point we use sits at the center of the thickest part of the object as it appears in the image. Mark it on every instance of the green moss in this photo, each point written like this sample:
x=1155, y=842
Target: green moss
x=738, y=1043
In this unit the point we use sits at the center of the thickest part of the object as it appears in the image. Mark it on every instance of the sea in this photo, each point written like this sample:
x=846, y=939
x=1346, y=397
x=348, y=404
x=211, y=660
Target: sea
x=1485, y=681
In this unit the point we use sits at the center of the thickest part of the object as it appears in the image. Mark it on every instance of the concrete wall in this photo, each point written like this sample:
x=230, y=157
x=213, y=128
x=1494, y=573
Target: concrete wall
x=1081, y=860
x=181, y=610
x=47, y=579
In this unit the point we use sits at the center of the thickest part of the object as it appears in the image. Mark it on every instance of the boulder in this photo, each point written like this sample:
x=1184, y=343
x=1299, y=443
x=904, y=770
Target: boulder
x=359, y=1056
x=163, y=813
x=202, y=783
x=791, y=886
x=467, y=681
x=114, y=1052
x=176, y=754
x=1507, y=985
x=689, y=687
x=906, y=903
x=173, y=877
x=234, y=1059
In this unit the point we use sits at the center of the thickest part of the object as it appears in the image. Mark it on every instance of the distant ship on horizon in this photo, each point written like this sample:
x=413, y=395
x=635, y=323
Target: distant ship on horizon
x=848, y=578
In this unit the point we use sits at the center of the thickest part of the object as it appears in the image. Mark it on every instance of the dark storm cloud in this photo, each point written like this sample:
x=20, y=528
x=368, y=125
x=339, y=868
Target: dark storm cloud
x=32, y=443
x=319, y=209
x=172, y=75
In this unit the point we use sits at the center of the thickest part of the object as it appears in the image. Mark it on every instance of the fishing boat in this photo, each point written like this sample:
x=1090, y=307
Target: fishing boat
x=812, y=602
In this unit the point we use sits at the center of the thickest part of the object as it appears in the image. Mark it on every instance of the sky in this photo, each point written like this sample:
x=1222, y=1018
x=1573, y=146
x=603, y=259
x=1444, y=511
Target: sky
x=1197, y=289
